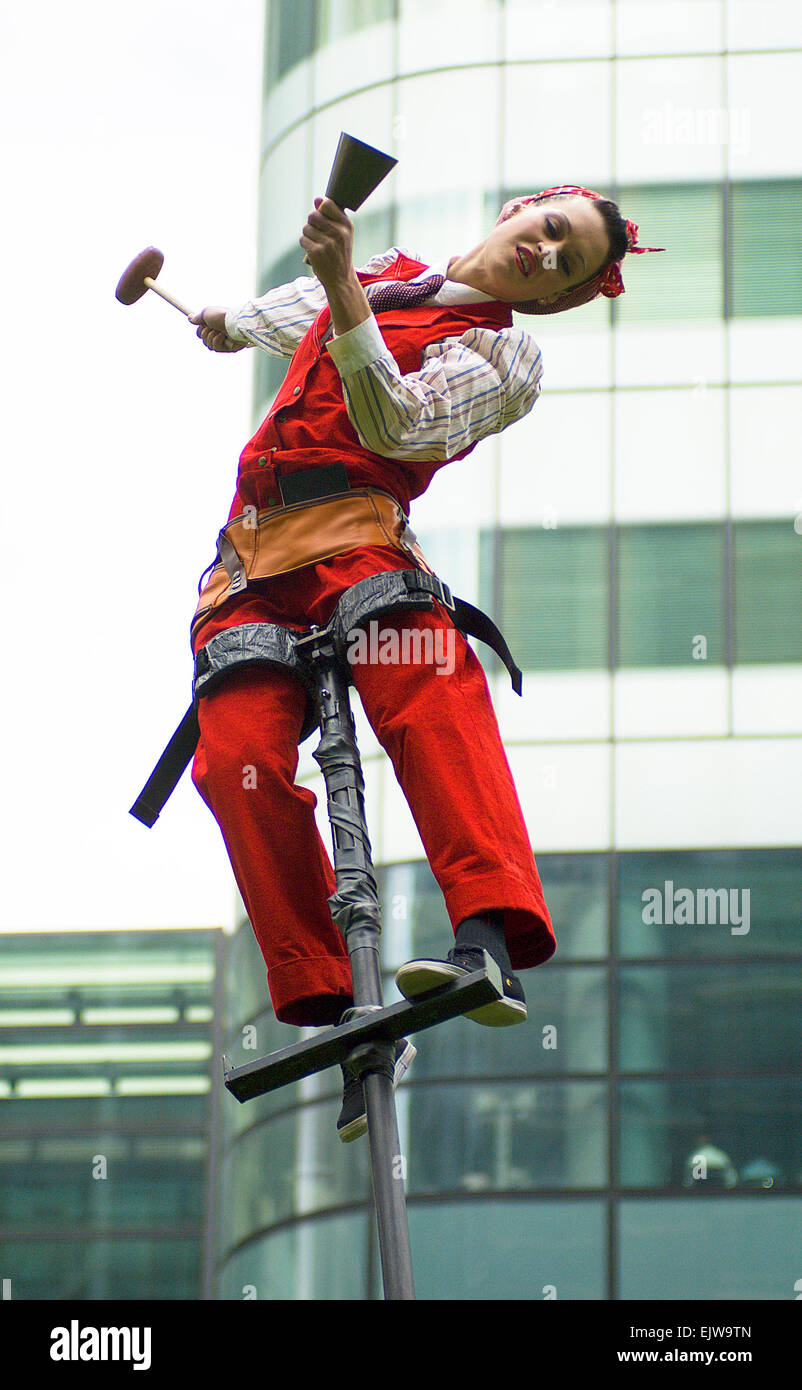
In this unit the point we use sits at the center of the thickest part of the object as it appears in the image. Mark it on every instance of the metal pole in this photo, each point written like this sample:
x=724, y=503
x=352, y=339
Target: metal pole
x=355, y=909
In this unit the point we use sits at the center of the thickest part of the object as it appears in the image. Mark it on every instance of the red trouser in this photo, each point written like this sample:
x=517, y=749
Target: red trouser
x=441, y=734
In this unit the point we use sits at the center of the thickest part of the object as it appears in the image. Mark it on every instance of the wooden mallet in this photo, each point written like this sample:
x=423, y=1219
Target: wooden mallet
x=140, y=276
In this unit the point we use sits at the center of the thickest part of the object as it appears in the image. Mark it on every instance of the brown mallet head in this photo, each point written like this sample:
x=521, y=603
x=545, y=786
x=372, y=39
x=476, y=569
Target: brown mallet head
x=131, y=285
x=140, y=276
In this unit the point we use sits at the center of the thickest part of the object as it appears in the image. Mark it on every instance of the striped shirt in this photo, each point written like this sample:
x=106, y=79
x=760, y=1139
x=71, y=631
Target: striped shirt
x=466, y=389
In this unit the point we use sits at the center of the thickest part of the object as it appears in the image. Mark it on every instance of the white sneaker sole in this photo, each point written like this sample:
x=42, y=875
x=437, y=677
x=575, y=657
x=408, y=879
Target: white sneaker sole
x=423, y=976
x=359, y=1126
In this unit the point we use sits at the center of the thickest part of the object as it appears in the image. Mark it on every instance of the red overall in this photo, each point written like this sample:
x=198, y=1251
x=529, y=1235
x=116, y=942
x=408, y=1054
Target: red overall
x=439, y=731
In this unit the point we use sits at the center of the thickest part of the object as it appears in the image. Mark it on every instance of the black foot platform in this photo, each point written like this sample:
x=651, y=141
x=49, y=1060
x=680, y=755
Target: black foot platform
x=381, y=1025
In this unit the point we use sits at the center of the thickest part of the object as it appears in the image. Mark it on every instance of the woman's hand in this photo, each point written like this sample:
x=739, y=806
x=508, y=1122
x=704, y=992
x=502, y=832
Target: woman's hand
x=328, y=240
x=212, y=331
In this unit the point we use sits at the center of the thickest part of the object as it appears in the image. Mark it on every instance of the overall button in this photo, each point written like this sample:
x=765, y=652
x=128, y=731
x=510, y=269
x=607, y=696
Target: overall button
x=296, y=391
x=262, y=461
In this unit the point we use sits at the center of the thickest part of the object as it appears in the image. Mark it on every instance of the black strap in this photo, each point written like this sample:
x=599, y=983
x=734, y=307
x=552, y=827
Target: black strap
x=386, y=590
x=168, y=771
x=477, y=624
x=246, y=644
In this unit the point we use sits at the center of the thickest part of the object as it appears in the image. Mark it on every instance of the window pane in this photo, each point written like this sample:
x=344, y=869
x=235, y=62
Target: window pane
x=534, y=94
x=549, y=588
x=151, y=1182
x=710, y=1018
x=508, y=1250
x=711, y=1136
x=763, y=91
x=337, y=18
x=568, y=1033
x=314, y=1260
x=770, y=877
x=292, y=1164
x=765, y=265
x=105, y=1048
x=355, y=38
x=764, y=429
x=289, y=36
x=87, y=1271
x=686, y=433
x=667, y=26
x=467, y=105
x=669, y=120
x=733, y=1250
x=447, y=33
x=761, y=24
x=670, y=592
x=685, y=281
x=506, y=1135
x=767, y=564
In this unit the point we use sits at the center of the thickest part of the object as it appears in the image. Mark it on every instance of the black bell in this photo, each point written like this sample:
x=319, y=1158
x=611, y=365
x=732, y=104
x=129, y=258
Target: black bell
x=356, y=171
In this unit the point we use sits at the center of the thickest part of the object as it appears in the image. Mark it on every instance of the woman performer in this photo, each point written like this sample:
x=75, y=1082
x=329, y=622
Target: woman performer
x=393, y=387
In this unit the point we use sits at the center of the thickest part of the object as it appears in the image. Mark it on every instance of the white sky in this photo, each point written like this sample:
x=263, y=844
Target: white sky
x=125, y=123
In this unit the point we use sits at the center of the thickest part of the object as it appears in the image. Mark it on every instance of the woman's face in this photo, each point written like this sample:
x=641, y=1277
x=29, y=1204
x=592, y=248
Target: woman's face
x=544, y=249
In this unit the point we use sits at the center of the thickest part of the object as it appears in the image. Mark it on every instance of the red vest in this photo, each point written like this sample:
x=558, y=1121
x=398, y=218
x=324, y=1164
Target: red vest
x=308, y=424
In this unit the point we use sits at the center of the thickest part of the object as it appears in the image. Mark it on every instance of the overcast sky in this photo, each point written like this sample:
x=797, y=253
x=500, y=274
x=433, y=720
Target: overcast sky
x=124, y=124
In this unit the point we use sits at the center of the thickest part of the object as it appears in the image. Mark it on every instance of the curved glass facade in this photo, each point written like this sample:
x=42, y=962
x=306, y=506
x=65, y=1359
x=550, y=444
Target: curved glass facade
x=106, y=1101
x=637, y=537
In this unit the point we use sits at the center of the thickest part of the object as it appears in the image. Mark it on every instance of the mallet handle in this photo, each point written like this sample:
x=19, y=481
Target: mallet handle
x=151, y=284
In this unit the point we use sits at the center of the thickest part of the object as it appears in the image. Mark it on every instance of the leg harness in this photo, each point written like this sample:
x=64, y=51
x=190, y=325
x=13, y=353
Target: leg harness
x=272, y=645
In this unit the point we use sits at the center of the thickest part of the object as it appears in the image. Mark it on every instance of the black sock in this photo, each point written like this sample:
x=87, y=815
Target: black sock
x=486, y=932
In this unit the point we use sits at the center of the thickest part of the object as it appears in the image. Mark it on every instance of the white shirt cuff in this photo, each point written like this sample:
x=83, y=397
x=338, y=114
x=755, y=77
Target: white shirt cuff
x=231, y=326
x=357, y=348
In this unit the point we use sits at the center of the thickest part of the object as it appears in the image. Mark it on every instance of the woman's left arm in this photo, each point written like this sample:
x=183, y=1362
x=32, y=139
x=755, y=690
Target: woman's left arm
x=466, y=389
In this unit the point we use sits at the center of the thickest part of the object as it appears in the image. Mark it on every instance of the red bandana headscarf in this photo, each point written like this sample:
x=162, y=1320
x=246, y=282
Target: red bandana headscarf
x=608, y=281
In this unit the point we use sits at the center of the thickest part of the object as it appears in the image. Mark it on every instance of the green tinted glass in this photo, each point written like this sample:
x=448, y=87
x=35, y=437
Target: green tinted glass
x=289, y=36
x=670, y=582
x=767, y=564
x=686, y=280
x=550, y=589
x=765, y=268
x=338, y=18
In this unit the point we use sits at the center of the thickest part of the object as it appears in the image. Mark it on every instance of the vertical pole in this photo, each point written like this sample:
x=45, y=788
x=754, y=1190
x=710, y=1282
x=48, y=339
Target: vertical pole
x=355, y=909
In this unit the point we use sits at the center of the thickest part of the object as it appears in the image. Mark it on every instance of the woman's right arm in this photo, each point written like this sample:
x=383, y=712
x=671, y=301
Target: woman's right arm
x=277, y=321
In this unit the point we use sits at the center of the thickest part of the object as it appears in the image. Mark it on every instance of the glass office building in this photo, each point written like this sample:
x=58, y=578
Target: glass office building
x=638, y=538
x=107, y=1053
